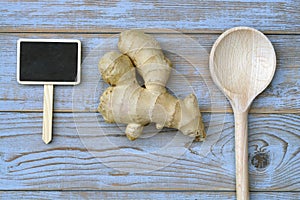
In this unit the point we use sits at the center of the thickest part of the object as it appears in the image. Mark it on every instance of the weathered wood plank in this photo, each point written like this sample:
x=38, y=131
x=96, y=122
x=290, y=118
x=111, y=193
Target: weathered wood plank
x=282, y=96
x=272, y=16
x=74, y=195
x=99, y=156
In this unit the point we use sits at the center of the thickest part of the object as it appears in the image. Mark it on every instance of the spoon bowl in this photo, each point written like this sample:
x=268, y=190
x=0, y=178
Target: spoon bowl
x=242, y=64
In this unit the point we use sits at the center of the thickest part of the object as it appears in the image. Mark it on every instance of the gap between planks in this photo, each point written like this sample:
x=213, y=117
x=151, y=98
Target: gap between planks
x=253, y=111
x=121, y=190
x=150, y=190
x=150, y=30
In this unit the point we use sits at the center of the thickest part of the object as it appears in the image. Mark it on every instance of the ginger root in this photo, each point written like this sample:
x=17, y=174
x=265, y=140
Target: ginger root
x=125, y=101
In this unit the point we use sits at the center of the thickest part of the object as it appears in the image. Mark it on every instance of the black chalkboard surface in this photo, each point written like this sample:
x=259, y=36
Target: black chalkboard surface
x=48, y=62
x=54, y=62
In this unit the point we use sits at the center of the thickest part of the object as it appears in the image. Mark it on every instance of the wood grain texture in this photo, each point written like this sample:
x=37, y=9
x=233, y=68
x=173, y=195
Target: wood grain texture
x=143, y=195
x=70, y=164
x=47, y=113
x=27, y=164
x=283, y=95
x=272, y=16
x=241, y=155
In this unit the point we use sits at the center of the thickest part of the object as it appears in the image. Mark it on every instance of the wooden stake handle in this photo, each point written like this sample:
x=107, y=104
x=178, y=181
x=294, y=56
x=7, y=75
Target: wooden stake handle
x=241, y=155
x=47, y=114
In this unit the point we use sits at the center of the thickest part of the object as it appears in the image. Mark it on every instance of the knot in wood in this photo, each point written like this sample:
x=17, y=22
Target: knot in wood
x=260, y=160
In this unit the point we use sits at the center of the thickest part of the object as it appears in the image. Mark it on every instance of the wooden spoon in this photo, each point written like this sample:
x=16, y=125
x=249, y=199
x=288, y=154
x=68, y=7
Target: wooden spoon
x=242, y=64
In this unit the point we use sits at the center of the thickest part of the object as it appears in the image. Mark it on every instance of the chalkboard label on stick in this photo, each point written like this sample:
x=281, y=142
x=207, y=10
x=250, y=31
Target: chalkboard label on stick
x=48, y=62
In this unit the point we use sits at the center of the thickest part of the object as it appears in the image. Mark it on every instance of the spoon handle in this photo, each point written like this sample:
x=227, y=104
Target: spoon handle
x=241, y=155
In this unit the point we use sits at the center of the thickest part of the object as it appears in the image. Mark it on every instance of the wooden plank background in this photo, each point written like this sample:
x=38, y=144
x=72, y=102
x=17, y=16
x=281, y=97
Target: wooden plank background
x=273, y=162
x=143, y=195
x=67, y=169
x=272, y=16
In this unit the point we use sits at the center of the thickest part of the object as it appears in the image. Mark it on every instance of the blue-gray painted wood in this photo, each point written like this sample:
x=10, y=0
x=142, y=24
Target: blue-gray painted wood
x=280, y=16
x=143, y=195
x=97, y=155
x=283, y=95
x=27, y=164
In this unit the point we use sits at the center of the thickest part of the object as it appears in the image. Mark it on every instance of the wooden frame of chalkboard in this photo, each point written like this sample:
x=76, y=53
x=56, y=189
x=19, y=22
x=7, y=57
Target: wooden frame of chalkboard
x=73, y=82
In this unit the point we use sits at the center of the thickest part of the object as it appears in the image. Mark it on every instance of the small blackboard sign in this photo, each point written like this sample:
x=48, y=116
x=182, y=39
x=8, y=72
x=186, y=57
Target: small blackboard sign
x=48, y=62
